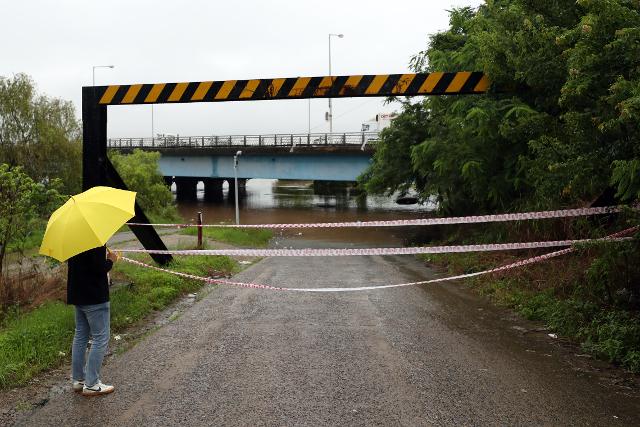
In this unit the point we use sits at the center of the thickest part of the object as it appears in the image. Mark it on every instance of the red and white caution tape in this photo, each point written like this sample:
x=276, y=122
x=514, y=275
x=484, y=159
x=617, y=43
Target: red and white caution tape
x=425, y=221
x=359, y=288
x=307, y=252
x=613, y=237
x=201, y=278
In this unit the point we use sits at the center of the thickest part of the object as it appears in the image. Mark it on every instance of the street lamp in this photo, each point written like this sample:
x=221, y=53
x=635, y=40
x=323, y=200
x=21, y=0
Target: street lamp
x=153, y=135
x=99, y=66
x=330, y=110
x=309, y=117
x=235, y=173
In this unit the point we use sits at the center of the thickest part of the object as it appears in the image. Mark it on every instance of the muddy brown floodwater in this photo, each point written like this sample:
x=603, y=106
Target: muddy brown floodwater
x=270, y=201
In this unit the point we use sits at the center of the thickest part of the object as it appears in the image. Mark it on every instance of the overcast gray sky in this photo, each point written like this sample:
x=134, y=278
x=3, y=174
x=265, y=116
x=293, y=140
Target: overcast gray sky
x=58, y=42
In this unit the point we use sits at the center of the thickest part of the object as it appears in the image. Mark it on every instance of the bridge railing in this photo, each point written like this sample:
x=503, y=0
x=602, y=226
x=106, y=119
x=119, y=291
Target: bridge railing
x=270, y=140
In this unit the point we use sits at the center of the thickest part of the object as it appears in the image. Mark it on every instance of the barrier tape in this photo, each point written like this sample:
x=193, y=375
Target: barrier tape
x=202, y=278
x=612, y=237
x=307, y=252
x=425, y=221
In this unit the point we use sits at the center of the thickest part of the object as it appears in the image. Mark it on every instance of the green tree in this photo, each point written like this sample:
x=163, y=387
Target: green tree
x=40, y=134
x=24, y=204
x=141, y=173
x=391, y=168
x=598, y=106
x=559, y=125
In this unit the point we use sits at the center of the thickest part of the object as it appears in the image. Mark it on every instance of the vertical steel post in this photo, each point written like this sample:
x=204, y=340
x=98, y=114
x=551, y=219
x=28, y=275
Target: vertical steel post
x=309, y=121
x=199, y=230
x=330, y=109
x=98, y=170
x=235, y=180
x=94, y=136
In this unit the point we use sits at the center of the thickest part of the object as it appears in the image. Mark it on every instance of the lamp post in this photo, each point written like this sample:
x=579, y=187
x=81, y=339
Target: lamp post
x=94, y=71
x=153, y=135
x=235, y=173
x=309, y=118
x=330, y=109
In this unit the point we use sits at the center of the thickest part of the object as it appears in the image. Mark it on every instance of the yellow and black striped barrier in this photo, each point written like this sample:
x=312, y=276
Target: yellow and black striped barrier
x=459, y=83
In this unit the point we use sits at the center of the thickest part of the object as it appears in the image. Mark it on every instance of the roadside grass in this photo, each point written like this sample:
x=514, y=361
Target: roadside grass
x=254, y=237
x=41, y=339
x=33, y=342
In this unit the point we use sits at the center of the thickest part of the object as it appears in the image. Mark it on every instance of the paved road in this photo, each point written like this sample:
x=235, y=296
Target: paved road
x=409, y=356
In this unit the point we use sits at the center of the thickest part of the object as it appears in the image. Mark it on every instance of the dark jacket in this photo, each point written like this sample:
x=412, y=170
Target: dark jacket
x=87, y=282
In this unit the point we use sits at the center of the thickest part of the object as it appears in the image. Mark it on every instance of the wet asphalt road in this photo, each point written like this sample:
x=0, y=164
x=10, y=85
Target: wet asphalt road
x=408, y=356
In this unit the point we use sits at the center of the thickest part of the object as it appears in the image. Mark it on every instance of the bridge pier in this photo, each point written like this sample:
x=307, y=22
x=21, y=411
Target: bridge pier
x=213, y=189
x=186, y=188
x=242, y=188
x=331, y=188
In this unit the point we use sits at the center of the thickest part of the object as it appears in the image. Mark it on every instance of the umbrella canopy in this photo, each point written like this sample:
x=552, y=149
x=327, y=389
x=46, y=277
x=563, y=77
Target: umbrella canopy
x=86, y=221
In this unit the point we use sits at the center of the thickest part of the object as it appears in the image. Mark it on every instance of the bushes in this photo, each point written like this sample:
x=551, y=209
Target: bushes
x=614, y=336
x=141, y=173
x=24, y=207
x=610, y=335
x=614, y=275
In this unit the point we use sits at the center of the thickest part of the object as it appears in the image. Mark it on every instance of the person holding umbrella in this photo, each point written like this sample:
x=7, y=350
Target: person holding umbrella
x=78, y=232
x=88, y=290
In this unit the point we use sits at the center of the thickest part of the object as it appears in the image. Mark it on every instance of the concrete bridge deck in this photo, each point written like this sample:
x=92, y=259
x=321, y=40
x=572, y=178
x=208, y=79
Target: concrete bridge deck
x=186, y=161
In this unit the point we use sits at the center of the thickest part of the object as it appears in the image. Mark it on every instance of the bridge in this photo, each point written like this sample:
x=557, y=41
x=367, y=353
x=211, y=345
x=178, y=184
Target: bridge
x=188, y=160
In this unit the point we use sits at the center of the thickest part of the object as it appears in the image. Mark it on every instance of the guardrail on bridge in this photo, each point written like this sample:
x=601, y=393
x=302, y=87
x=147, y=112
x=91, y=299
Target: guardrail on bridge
x=272, y=140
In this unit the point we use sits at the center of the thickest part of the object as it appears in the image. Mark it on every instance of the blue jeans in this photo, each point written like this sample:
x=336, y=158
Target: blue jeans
x=90, y=320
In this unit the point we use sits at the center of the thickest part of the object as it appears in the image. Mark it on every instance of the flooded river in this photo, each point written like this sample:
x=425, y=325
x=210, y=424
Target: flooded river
x=277, y=201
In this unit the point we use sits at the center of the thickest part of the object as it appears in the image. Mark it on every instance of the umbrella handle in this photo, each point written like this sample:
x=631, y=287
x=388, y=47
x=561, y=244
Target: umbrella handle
x=117, y=254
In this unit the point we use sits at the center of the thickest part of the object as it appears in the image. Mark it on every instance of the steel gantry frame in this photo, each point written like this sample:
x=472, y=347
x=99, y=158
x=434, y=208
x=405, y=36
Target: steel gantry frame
x=98, y=170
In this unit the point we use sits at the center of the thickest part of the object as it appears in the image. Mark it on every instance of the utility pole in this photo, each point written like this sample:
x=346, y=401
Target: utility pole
x=235, y=173
x=330, y=107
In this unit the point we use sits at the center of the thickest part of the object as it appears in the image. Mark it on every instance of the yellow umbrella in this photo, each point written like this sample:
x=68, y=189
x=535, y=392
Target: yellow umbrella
x=86, y=221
